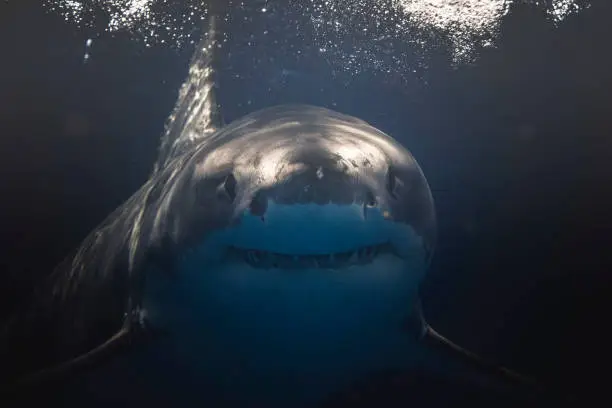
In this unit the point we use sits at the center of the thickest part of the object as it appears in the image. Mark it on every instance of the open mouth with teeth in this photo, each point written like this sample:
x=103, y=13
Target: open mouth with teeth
x=274, y=260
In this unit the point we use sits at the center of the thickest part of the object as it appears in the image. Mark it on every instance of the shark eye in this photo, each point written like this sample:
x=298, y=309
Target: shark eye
x=216, y=188
x=370, y=200
x=392, y=183
x=229, y=184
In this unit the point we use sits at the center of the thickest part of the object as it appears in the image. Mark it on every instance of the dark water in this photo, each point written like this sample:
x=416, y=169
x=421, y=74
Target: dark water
x=516, y=147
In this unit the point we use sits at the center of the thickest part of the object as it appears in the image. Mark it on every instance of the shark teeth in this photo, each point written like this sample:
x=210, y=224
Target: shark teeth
x=273, y=260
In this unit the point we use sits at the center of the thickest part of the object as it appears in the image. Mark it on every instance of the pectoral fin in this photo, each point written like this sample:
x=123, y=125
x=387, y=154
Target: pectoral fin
x=468, y=364
x=434, y=338
x=133, y=331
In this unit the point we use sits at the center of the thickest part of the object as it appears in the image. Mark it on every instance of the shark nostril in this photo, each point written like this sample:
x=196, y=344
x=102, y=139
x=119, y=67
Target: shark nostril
x=392, y=183
x=258, y=205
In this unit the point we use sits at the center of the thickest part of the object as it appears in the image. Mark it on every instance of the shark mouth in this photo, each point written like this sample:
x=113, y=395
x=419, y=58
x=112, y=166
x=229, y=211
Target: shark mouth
x=261, y=259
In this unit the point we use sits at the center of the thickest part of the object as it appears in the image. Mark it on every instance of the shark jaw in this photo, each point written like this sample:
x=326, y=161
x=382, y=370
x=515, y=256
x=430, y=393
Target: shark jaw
x=285, y=310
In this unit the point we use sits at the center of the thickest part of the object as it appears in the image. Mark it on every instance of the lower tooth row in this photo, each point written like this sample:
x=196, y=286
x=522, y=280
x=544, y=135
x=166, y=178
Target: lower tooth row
x=261, y=258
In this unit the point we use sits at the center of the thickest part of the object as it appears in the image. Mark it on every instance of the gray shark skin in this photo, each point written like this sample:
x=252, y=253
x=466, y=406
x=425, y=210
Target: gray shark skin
x=280, y=256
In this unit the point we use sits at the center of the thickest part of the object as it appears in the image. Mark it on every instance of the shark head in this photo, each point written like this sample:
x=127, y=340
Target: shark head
x=324, y=189
x=300, y=236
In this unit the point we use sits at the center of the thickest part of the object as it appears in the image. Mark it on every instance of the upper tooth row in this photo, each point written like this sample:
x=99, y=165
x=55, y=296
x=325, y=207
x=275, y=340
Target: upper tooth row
x=271, y=259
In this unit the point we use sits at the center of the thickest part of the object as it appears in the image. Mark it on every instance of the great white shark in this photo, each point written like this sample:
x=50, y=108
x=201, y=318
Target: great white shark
x=269, y=262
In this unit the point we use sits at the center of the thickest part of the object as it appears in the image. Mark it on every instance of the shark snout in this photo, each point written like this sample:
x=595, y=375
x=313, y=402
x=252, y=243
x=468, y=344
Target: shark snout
x=317, y=185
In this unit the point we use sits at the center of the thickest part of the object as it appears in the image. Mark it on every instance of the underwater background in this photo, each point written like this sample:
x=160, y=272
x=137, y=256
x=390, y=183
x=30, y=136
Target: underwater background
x=514, y=133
